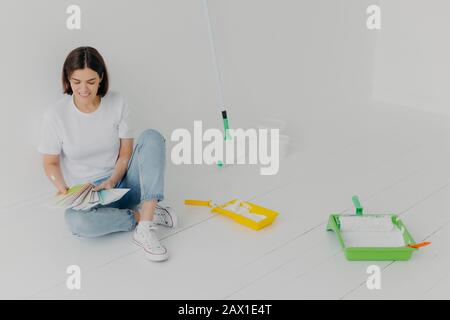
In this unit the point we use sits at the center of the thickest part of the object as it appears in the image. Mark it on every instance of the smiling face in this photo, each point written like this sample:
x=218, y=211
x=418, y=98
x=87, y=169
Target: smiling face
x=85, y=83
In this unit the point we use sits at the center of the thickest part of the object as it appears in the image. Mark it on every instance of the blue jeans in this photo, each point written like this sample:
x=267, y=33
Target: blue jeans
x=145, y=178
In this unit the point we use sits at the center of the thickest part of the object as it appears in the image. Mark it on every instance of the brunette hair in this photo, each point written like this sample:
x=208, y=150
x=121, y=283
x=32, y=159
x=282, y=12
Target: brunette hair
x=85, y=57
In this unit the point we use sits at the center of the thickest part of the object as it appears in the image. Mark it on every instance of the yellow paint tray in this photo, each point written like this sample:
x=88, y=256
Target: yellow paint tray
x=269, y=215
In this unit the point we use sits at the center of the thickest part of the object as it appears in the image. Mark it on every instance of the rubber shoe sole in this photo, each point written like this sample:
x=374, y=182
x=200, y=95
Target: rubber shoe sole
x=151, y=256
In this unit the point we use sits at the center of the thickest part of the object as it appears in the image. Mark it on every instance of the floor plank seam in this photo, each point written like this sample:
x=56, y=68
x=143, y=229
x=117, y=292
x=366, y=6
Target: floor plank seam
x=363, y=283
x=321, y=262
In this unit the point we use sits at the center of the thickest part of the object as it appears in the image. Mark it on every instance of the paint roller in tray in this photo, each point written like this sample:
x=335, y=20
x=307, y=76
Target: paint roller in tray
x=243, y=212
x=365, y=223
x=241, y=208
x=376, y=237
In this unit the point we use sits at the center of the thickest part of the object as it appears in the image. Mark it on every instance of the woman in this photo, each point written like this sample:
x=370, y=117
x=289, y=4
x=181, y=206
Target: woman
x=86, y=137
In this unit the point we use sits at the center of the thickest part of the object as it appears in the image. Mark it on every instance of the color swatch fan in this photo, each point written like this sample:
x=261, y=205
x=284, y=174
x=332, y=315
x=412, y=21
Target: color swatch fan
x=83, y=197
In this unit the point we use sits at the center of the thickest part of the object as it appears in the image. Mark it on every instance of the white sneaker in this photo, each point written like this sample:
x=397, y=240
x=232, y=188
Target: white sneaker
x=165, y=216
x=146, y=238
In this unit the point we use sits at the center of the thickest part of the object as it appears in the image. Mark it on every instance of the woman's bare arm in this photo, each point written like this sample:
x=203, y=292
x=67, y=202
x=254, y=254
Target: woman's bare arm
x=126, y=149
x=53, y=172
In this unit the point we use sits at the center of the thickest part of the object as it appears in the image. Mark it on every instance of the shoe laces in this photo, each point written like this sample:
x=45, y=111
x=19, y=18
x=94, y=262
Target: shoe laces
x=161, y=213
x=150, y=237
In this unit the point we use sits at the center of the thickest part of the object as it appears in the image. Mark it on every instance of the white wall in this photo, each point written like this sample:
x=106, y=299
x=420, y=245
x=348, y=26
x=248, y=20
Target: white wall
x=412, y=56
x=285, y=58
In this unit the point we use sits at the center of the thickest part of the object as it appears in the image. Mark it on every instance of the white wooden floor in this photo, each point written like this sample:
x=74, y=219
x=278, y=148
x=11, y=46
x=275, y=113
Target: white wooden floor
x=396, y=159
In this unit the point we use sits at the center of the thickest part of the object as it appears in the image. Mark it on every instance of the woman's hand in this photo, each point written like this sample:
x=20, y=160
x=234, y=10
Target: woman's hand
x=107, y=184
x=62, y=191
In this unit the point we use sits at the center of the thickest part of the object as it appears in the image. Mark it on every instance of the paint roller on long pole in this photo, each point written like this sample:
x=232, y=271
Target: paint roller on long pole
x=217, y=71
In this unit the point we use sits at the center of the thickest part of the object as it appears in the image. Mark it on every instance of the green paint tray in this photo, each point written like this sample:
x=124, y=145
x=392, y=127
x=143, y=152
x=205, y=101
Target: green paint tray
x=374, y=253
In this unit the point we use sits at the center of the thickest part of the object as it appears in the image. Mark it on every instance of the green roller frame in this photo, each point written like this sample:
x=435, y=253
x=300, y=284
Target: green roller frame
x=373, y=253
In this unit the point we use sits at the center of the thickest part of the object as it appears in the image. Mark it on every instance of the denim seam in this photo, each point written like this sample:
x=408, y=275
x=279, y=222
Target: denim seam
x=134, y=222
x=153, y=196
x=128, y=166
x=140, y=170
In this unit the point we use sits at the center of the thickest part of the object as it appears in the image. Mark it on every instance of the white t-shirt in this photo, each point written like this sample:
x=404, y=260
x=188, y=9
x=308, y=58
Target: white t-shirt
x=88, y=143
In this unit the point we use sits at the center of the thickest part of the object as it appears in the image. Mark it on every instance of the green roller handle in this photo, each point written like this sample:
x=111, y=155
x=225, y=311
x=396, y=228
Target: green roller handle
x=226, y=126
x=357, y=204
